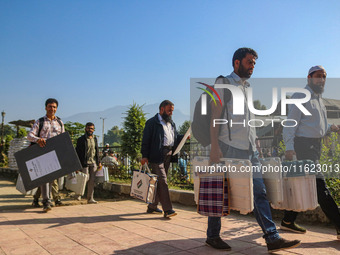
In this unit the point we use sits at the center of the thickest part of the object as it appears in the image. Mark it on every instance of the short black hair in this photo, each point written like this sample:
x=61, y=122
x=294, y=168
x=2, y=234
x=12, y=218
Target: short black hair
x=165, y=103
x=242, y=52
x=89, y=124
x=51, y=101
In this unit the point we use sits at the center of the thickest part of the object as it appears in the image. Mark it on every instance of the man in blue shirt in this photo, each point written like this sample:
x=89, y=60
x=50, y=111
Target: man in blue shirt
x=304, y=141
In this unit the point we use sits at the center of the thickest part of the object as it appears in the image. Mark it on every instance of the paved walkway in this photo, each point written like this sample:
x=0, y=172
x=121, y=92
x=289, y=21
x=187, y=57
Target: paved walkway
x=123, y=227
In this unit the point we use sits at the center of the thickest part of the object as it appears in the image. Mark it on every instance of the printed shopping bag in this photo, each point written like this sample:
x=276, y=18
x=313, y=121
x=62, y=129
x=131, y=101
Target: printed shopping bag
x=102, y=174
x=144, y=185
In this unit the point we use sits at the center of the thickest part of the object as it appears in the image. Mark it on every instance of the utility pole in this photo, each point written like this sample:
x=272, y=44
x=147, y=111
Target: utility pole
x=103, y=131
x=2, y=144
x=2, y=125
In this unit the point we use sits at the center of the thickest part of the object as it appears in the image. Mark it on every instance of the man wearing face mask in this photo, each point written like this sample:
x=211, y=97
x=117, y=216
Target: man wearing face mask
x=159, y=140
x=88, y=153
x=304, y=141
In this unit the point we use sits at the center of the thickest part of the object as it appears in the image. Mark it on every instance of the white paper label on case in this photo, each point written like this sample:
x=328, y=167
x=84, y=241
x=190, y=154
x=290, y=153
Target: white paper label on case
x=43, y=165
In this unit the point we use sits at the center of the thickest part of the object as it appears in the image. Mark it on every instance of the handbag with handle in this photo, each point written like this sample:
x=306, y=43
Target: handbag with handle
x=20, y=187
x=77, y=183
x=217, y=192
x=102, y=175
x=144, y=185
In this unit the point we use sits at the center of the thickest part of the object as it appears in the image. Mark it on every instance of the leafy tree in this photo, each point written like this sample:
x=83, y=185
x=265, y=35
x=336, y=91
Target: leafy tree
x=116, y=144
x=8, y=130
x=259, y=106
x=184, y=127
x=114, y=136
x=8, y=138
x=75, y=129
x=4, y=151
x=22, y=133
x=133, y=132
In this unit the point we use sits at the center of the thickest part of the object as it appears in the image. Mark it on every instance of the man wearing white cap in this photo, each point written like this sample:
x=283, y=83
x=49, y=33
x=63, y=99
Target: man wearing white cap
x=106, y=150
x=304, y=141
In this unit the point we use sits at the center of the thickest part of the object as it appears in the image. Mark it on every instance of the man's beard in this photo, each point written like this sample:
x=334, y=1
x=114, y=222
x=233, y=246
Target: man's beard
x=166, y=117
x=89, y=133
x=243, y=73
x=316, y=88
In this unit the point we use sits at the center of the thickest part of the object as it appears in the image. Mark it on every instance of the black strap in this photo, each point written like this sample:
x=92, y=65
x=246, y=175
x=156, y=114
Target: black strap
x=226, y=99
x=41, y=124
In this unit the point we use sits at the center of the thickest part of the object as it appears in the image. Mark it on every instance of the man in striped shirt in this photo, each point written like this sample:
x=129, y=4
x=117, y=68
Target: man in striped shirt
x=51, y=126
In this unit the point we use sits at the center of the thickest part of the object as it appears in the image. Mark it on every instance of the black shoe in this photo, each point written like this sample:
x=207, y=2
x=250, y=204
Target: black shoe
x=169, y=213
x=47, y=207
x=292, y=227
x=217, y=243
x=150, y=210
x=35, y=203
x=282, y=244
x=338, y=234
x=58, y=203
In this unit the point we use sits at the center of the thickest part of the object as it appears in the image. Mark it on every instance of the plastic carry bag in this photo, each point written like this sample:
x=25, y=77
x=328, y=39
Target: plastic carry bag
x=102, y=175
x=144, y=185
x=20, y=187
x=77, y=183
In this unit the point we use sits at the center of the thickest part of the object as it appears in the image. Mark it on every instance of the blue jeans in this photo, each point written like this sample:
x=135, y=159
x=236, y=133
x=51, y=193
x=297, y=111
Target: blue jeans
x=261, y=205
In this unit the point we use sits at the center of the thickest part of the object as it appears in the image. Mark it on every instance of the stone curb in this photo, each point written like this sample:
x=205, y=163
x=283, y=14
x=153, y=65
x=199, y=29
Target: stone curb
x=186, y=197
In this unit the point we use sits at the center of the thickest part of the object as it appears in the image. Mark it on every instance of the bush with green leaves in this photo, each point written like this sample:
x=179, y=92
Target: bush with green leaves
x=330, y=161
x=4, y=152
x=22, y=133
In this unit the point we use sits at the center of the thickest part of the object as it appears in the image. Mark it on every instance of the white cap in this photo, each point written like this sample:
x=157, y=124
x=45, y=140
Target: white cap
x=316, y=68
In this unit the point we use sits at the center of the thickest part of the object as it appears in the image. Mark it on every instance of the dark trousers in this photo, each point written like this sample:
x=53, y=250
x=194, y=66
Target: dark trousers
x=162, y=194
x=310, y=148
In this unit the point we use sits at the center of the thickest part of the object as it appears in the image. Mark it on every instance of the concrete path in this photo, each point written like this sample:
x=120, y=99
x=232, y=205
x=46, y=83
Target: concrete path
x=123, y=227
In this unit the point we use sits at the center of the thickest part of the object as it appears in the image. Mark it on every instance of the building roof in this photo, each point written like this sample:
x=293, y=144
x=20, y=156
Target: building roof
x=331, y=103
x=23, y=123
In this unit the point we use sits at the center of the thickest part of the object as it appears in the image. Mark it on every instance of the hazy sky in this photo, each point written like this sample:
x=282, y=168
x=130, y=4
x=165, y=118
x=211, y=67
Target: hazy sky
x=93, y=55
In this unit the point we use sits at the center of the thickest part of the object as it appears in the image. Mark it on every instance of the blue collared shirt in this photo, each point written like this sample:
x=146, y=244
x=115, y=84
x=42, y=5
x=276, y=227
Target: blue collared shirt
x=241, y=135
x=310, y=126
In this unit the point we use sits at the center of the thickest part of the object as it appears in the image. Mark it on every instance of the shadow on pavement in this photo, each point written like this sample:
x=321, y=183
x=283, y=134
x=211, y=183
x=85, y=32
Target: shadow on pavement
x=72, y=220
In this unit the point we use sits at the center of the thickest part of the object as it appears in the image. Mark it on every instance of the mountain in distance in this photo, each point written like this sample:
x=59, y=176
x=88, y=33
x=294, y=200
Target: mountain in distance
x=114, y=117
